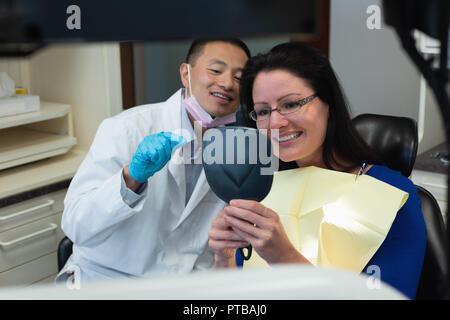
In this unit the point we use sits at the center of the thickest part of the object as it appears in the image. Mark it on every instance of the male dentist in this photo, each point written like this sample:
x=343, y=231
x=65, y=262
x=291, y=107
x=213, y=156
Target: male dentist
x=132, y=210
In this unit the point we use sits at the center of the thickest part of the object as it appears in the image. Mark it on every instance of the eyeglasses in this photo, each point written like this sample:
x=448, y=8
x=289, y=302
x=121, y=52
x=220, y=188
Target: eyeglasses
x=285, y=108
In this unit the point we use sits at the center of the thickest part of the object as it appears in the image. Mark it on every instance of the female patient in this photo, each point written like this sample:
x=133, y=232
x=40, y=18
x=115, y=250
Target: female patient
x=294, y=90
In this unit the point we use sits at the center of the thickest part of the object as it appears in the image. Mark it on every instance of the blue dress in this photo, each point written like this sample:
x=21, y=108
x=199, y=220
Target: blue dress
x=400, y=257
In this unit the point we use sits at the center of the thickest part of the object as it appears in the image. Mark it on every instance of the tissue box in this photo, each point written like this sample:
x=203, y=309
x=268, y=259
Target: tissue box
x=19, y=104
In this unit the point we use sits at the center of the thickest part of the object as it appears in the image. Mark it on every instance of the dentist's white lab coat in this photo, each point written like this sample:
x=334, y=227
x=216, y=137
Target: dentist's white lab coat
x=156, y=235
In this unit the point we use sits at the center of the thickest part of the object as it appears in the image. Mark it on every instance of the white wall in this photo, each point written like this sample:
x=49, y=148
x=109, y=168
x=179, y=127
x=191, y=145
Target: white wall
x=17, y=69
x=375, y=72
x=434, y=131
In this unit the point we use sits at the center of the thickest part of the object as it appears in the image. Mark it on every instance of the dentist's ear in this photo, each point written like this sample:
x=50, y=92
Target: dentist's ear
x=184, y=76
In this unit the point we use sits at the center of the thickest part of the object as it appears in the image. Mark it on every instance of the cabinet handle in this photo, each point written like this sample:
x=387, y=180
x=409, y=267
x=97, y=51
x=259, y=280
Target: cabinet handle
x=28, y=236
x=48, y=203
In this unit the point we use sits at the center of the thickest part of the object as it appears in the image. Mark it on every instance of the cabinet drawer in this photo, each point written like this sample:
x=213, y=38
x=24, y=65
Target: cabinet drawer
x=32, y=272
x=50, y=280
x=31, y=210
x=30, y=241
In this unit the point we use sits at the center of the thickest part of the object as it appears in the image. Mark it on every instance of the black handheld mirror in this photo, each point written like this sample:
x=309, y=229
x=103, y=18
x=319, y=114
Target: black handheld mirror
x=238, y=164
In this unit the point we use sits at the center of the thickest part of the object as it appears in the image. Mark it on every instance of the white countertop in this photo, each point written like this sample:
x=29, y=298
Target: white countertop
x=40, y=173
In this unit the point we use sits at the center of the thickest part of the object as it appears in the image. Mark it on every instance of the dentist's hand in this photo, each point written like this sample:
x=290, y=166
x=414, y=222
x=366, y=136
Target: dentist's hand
x=152, y=155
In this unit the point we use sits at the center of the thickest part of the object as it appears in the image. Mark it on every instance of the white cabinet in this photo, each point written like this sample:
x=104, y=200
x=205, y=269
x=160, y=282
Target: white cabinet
x=36, y=135
x=30, y=232
x=436, y=184
x=34, y=148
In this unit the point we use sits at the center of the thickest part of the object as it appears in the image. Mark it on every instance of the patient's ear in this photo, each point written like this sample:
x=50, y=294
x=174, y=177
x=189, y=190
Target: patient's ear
x=184, y=75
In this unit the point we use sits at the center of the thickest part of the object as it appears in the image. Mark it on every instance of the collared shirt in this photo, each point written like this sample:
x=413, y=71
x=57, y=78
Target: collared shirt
x=193, y=166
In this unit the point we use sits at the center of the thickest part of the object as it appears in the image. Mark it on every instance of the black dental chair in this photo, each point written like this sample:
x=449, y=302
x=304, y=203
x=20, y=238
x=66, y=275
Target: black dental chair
x=64, y=252
x=395, y=139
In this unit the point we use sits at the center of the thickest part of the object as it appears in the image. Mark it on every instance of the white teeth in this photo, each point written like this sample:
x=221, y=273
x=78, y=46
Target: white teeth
x=220, y=96
x=289, y=137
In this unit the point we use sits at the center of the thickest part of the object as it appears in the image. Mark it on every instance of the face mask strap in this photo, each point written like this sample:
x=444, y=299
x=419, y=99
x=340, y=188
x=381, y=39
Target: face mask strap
x=189, y=80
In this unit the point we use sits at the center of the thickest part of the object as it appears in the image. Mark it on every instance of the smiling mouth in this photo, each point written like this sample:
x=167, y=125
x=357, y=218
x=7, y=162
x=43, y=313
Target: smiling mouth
x=222, y=96
x=290, y=137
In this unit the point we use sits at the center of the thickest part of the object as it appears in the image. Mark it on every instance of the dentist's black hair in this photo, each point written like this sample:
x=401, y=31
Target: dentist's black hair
x=342, y=142
x=198, y=45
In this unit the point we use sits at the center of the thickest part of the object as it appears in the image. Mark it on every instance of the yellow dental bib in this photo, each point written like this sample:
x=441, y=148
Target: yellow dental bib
x=330, y=218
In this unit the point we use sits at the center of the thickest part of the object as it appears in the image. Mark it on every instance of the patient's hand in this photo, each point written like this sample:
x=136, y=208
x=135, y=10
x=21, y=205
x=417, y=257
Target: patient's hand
x=224, y=242
x=262, y=228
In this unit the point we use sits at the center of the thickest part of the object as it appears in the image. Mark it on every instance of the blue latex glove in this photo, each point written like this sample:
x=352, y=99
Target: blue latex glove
x=152, y=154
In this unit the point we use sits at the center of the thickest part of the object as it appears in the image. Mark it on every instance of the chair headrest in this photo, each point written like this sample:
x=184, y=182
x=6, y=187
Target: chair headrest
x=393, y=138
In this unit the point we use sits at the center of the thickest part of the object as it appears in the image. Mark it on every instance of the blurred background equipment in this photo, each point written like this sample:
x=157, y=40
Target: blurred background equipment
x=27, y=25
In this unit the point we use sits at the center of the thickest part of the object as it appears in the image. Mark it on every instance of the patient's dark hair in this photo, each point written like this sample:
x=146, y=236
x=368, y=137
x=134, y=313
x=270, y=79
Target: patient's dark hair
x=312, y=66
x=198, y=45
